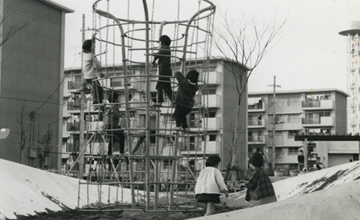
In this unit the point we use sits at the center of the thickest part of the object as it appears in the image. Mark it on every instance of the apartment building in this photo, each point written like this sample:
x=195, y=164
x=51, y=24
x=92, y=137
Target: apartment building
x=31, y=70
x=210, y=120
x=321, y=111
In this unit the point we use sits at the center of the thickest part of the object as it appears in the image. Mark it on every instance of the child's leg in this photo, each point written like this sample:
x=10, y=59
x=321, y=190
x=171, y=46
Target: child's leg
x=169, y=92
x=138, y=143
x=177, y=115
x=160, y=96
x=210, y=208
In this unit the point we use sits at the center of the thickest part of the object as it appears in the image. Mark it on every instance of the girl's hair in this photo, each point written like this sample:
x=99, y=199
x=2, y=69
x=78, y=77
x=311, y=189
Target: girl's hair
x=165, y=40
x=212, y=161
x=256, y=160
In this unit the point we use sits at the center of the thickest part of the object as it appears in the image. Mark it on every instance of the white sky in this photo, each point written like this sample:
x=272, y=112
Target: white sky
x=310, y=54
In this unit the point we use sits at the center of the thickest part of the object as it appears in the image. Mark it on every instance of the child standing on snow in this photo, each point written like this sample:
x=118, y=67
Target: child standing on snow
x=165, y=72
x=184, y=100
x=210, y=184
x=90, y=68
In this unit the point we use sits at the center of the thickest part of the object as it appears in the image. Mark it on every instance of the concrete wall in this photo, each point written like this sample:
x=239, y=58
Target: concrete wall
x=340, y=108
x=229, y=99
x=31, y=69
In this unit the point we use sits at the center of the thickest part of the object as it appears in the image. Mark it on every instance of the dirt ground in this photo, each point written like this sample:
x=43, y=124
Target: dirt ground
x=108, y=214
x=194, y=210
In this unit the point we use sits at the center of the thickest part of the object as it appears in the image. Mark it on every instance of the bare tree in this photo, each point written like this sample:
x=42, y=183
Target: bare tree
x=21, y=139
x=8, y=24
x=45, y=149
x=244, y=44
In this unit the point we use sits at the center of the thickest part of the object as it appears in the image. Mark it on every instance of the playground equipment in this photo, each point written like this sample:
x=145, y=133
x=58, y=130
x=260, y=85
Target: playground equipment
x=159, y=164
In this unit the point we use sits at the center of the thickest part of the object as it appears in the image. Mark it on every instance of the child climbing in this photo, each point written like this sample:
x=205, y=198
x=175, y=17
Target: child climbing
x=184, y=99
x=112, y=125
x=165, y=72
x=91, y=66
x=259, y=188
x=210, y=184
x=152, y=128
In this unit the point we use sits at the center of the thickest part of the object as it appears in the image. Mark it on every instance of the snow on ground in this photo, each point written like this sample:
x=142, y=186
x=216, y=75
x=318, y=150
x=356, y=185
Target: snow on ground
x=26, y=191
x=305, y=183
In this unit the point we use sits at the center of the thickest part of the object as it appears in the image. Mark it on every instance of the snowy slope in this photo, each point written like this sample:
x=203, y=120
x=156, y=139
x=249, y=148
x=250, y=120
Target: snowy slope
x=25, y=190
x=306, y=183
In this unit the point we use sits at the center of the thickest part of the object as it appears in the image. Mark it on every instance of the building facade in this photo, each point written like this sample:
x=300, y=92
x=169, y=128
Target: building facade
x=209, y=120
x=321, y=111
x=31, y=72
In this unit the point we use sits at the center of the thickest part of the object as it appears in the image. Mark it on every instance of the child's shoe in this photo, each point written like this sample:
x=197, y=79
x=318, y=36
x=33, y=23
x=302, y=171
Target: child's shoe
x=186, y=130
x=176, y=129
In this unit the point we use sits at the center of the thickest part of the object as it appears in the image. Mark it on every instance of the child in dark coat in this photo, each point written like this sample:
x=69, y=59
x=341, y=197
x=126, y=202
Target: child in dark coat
x=165, y=72
x=259, y=188
x=184, y=100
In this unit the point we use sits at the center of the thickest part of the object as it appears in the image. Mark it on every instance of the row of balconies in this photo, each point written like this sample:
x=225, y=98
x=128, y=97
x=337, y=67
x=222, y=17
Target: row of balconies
x=211, y=101
x=118, y=83
x=305, y=105
x=201, y=147
x=307, y=122
x=280, y=140
x=212, y=124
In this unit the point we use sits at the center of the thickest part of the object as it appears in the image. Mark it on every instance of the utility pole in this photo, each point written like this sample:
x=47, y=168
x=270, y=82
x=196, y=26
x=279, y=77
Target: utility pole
x=273, y=122
x=82, y=104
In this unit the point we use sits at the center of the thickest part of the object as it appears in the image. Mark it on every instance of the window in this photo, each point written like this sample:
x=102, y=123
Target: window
x=209, y=91
x=279, y=135
x=292, y=133
x=293, y=102
x=153, y=96
x=293, y=119
x=210, y=113
x=116, y=82
x=212, y=137
x=294, y=166
x=293, y=150
x=278, y=151
x=167, y=163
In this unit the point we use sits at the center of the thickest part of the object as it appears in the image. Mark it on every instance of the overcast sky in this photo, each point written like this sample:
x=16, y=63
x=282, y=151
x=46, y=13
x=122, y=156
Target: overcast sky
x=309, y=53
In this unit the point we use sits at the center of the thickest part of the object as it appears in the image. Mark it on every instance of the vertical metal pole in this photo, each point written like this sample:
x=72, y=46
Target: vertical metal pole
x=157, y=152
x=273, y=128
x=306, y=164
x=147, y=66
x=82, y=104
x=173, y=170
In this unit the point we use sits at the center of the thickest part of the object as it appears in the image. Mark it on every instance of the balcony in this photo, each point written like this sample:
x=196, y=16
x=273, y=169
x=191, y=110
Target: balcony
x=317, y=104
x=212, y=124
x=257, y=139
x=257, y=107
x=213, y=100
x=73, y=107
x=315, y=122
x=212, y=147
x=256, y=123
x=72, y=85
x=215, y=78
x=73, y=126
x=115, y=83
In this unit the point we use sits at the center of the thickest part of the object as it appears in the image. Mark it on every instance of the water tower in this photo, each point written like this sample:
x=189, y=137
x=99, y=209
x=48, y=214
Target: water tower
x=352, y=32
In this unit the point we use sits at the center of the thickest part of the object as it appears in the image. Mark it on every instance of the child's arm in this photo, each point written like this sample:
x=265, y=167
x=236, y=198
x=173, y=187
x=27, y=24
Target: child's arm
x=180, y=77
x=252, y=184
x=220, y=182
x=96, y=63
